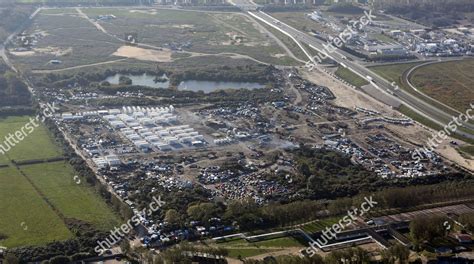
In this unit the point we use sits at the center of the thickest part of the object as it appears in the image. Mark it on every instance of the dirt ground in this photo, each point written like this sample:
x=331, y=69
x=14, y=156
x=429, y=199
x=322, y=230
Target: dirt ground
x=415, y=134
x=22, y=53
x=56, y=51
x=283, y=252
x=144, y=54
x=346, y=96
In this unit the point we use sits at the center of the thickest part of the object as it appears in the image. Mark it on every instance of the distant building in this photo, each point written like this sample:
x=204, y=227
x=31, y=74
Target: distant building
x=386, y=50
x=113, y=160
x=396, y=33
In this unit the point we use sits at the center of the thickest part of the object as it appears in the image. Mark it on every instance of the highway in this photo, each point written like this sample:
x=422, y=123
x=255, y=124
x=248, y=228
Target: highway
x=386, y=88
x=419, y=106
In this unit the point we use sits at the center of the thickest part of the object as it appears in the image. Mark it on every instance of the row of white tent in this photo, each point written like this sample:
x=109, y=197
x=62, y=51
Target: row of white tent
x=134, y=109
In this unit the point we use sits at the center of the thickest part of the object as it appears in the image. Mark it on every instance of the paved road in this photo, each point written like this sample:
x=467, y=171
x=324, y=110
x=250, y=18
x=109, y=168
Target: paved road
x=419, y=106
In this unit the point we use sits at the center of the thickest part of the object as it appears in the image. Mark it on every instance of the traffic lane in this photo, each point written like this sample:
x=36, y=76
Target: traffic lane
x=428, y=110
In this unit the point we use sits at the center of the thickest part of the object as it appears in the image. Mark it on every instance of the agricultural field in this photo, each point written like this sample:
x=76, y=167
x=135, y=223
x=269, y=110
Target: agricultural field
x=448, y=82
x=39, y=144
x=39, y=198
x=168, y=36
x=56, y=181
x=30, y=220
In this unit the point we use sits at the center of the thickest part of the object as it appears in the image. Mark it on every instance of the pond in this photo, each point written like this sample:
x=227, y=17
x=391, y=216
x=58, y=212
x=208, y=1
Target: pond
x=143, y=80
x=190, y=85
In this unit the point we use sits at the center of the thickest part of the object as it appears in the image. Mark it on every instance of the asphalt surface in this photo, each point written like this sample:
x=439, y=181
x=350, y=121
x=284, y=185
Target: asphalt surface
x=419, y=106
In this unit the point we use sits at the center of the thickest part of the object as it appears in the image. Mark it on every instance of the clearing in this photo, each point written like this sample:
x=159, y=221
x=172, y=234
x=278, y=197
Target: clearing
x=144, y=54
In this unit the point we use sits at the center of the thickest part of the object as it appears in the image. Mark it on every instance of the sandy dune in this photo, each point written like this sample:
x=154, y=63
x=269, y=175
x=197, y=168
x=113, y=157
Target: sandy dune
x=163, y=55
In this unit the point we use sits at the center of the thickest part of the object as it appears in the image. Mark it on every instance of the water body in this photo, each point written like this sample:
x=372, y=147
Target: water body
x=211, y=86
x=190, y=85
x=143, y=80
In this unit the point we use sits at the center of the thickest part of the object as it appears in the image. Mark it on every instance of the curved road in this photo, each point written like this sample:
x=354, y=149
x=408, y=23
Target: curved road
x=419, y=106
x=407, y=75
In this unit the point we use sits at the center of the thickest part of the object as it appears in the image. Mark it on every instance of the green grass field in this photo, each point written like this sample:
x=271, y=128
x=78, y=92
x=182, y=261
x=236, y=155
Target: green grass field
x=450, y=82
x=79, y=201
x=427, y=122
x=23, y=208
x=77, y=42
x=351, y=77
x=443, y=88
x=394, y=72
x=280, y=242
x=240, y=247
x=300, y=20
x=320, y=225
x=37, y=145
x=36, y=199
x=248, y=252
x=208, y=33
x=468, y=150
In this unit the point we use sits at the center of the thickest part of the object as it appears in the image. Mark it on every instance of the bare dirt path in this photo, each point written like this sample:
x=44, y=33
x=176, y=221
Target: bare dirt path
x=78, y=67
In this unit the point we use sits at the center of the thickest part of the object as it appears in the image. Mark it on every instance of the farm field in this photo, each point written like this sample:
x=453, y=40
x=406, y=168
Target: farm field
x=26, y=210
x=168, y=35
x=38, y=144
x=448, y=82
x=78, y=201
x=39, y=198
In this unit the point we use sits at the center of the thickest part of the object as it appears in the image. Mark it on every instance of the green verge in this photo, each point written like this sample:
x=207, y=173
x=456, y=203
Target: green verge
x=288, y=42
x=467, y=150
x=427, y=122
x=394, y=72
x=350, y=77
